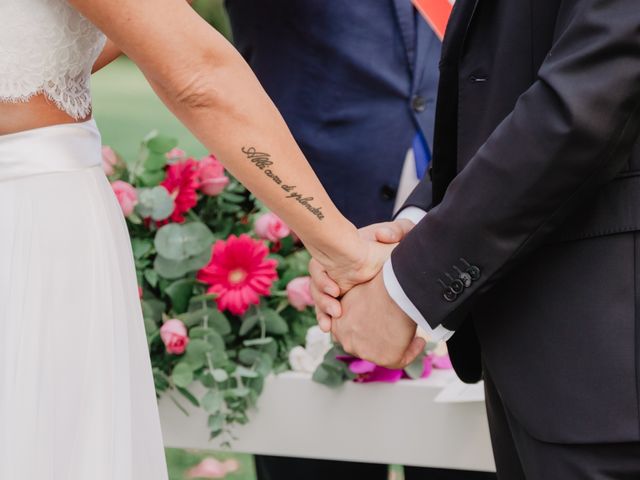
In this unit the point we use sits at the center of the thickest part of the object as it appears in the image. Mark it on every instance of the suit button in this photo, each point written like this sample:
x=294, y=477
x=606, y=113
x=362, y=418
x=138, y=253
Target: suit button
x=449, y=295
x=418, y=103
x=387, y=192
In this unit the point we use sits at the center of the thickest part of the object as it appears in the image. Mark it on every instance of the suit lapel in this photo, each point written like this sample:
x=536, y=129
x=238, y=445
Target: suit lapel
x=406, y=21
x=459, y=24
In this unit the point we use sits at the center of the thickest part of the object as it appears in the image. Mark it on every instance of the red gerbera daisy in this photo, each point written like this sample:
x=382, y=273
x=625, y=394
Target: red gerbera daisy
x=238, y=273
x=181, y=182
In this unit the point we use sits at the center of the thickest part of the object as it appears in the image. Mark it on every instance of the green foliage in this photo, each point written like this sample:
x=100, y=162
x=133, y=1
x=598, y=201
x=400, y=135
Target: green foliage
x=229, y=356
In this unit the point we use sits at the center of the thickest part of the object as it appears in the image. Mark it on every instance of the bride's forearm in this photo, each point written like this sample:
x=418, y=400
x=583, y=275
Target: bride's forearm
x=209, y=87
x=227, y=109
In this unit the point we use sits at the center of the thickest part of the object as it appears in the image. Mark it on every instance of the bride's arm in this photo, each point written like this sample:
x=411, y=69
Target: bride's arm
x=209, y=87
x=109, y=53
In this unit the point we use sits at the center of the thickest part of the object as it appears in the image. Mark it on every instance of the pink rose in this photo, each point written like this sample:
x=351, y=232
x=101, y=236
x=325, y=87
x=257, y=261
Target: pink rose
x=174, y=336
x=299, y=293
x=126, y=195
x=176, y=154
x=211, y=176
x=270, y=227
x=109, y=160
x=213, y=468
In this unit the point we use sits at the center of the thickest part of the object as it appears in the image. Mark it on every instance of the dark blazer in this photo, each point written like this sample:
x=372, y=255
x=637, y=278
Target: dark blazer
x=353, y=80
x=536, y=183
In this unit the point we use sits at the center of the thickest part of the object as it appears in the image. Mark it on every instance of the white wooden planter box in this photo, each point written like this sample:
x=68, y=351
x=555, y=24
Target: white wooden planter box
x=380, y=423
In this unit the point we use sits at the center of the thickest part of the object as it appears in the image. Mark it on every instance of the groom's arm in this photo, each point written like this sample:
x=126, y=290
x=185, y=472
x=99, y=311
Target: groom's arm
x=569, y=134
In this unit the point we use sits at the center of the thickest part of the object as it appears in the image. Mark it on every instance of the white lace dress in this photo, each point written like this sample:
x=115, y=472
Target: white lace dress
x=77, y=398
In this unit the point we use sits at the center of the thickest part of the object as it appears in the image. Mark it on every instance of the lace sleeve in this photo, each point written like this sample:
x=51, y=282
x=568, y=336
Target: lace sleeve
x=47, y=47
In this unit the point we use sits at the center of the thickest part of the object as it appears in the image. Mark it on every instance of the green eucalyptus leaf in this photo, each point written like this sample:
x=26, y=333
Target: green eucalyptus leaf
x=216, y=422
x=155, y=203
x=173, y=269
x=216, y=341
x=152, y=309
x=220, y=375
x=212, y=401
x=274, y=322
x=189, y=396
x=151, y=276
x=182, y=374
x=248, y=356
x=178, y=242
x=233, y=197
x=219, y=322
x=155, y=161
x=240, y=391
x=264, y=365
x=416, y=368
x=180, y=293
x=151, y=178
x=200, y=332
x=198, y=346
x=206, y=379
x=328, y=376
x=158, y=143
x=141, y=247
x=247, y=324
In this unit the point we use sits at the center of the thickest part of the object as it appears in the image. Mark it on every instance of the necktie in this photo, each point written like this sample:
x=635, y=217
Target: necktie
x=436, y=13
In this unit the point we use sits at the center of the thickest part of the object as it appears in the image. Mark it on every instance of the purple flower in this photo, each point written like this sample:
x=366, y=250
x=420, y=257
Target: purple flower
x=370, y=372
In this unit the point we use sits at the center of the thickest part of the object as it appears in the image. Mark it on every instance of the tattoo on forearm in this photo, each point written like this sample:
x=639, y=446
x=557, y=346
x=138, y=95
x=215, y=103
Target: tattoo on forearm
x=264, y=162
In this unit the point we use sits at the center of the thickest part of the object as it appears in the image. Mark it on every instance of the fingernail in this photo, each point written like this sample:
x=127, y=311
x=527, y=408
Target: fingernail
x=389, y=233
x=334, y=311
x=329, y=291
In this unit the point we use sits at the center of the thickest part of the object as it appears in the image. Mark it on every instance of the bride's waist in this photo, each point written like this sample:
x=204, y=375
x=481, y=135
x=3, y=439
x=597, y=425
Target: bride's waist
x=55, y=148
x=36, y=112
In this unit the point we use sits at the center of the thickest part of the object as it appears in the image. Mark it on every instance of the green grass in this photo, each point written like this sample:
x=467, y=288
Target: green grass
x=126, y=109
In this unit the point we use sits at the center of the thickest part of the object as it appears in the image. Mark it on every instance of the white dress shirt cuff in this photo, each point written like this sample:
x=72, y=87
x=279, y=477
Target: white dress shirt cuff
x=414, y=215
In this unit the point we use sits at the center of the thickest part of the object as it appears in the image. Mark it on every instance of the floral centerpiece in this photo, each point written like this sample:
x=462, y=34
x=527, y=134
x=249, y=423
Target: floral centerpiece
x=223, y=285
x=222, y=281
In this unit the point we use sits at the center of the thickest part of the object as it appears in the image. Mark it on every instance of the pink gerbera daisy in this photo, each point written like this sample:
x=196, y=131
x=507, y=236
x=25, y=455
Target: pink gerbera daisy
x=181, y=182
x=239, y=273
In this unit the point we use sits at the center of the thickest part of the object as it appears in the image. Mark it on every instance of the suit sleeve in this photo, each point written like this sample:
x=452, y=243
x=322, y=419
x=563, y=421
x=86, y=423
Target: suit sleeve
x=568, y=135
x=421, y=197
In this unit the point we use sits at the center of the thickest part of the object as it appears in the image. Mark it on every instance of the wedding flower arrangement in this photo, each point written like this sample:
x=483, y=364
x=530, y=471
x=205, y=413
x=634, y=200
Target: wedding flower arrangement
x=223, y=282
x=224, y=287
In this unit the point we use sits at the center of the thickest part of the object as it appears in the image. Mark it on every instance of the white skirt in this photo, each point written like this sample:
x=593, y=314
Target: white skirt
x=77, y=399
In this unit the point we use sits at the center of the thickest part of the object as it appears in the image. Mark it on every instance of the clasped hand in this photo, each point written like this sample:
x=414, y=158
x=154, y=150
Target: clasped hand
x=365, y=320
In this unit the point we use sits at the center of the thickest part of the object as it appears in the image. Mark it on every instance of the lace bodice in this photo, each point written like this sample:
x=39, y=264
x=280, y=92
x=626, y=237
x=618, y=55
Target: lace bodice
x=46, y=46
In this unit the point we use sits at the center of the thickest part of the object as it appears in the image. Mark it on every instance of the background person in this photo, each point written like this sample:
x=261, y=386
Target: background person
x=356, y=83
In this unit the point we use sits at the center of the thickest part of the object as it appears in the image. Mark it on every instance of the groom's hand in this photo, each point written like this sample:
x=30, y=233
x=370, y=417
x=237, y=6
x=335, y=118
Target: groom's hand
x=325, y=291
x=372, y=327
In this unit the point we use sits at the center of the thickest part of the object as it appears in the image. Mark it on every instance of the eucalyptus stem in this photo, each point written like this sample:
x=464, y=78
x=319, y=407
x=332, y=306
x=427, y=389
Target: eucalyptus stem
x=205, y=323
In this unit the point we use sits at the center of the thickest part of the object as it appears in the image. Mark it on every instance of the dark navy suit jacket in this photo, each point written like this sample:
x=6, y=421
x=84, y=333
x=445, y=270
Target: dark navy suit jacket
x=353, y=80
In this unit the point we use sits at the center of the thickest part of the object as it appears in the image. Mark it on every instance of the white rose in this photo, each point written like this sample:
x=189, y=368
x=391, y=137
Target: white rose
x=318, y=343
x=301, y=361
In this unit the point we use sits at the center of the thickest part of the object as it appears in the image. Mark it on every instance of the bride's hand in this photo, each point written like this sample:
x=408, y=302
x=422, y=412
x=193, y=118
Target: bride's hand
x=365, y=258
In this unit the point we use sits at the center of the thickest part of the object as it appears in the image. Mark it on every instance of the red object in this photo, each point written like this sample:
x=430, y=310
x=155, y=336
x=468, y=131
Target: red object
x=436, y=13
x=181, y=182
x=239, y=273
